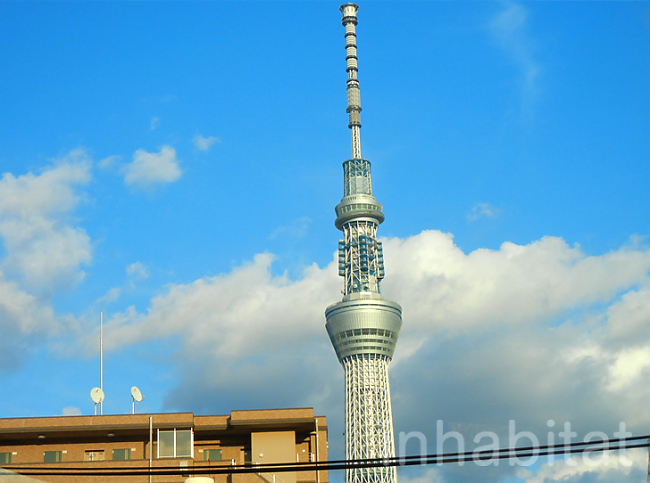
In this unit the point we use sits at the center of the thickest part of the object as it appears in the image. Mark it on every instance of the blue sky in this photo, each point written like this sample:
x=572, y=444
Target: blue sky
x=177, y=164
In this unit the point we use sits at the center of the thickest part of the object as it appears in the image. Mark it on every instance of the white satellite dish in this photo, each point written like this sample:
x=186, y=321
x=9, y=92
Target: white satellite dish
x=97, y=395
x=137, y=397
x=136, y=394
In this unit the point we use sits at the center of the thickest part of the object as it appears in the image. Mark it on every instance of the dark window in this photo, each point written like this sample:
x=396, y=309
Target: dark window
x=122, y=454
x=52, y=456
x=212, y=455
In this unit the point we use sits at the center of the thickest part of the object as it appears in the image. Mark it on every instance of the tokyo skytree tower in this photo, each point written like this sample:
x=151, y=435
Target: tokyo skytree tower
x=364, y=326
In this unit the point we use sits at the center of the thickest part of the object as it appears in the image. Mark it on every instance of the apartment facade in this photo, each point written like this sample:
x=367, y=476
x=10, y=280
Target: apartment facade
x=166, y=448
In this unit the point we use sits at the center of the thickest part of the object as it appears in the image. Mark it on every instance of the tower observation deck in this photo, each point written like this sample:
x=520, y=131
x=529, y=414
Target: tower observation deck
x=363, y=327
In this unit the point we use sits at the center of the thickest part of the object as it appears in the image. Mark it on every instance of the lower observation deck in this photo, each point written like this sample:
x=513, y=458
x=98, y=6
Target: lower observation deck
x=364, y=326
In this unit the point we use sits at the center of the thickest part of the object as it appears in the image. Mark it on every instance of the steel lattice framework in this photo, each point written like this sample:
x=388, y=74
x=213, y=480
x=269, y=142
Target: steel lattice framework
x=363, y=327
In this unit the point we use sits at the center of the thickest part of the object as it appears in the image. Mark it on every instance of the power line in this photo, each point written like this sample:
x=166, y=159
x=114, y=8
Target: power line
x=439, y=459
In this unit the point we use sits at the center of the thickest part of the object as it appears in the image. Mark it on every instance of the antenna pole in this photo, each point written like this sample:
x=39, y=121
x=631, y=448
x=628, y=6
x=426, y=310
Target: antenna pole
x=150, y=445
x=101, y=358
x=349, y=11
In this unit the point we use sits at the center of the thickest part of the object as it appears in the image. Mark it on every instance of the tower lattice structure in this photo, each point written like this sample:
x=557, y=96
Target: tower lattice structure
x=363, y=327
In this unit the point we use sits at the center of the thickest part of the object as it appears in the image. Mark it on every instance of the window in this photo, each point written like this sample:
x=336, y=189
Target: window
x=52, y=456
x=122, y=454
x=94, y=455
x=212, y=455
x=183, y=443
x=175, y=443
x=5, y=458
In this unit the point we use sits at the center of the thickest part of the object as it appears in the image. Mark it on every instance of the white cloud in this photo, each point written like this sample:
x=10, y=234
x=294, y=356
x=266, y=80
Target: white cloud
x=295, y=229
x=149, y=169
x=482, y=210
x=137, y=270
x=109, y=162
x=232, y=313
x=71, y=411
x=110, y=296
x=43, y=249
x=46, y=193
x=155, y=122
x=134, y=271
x=449, y=290
x=248, y=326
x=203, y=143
x=629, y=318
x=628, y=367
x=429, y=475
x=510, y=29
x=23, y=319
x=605, y=467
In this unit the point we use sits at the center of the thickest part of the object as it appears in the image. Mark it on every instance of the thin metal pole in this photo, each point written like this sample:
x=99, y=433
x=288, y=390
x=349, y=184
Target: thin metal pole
x=150, y=444
x=316, y=453
x=101, y=359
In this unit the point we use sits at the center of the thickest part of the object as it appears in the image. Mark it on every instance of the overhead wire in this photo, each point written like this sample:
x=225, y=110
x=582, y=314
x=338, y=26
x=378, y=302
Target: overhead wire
x=412, y=460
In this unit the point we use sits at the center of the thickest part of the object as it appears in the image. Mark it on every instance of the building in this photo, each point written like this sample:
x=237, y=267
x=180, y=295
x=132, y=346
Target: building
x=364, y=326
x=228, y=448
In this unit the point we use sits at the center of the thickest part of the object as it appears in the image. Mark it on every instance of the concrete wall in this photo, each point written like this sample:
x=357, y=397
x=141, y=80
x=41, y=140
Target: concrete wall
x=275, y=447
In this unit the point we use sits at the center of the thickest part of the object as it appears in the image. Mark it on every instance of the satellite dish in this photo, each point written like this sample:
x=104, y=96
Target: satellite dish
x=97, y=395
x=136, y=394
x=137, y=397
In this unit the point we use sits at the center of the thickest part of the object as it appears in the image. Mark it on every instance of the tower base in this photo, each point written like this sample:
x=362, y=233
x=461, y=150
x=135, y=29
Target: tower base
x=368, y=417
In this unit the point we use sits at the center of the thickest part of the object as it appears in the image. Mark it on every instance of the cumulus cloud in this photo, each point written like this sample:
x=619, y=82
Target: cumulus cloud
x=23, y=319
x=149, y=169
x=233, y=314
x=43, y=247
x=530, y=333
x=44, y=251
x=249, y=325
x=204, y=144
x=596, y=468
x=137, y=270
x=524, y=333
x=517, y=284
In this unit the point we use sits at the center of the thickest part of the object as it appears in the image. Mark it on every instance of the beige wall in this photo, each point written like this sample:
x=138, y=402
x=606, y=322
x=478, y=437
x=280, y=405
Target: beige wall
x=275, y=447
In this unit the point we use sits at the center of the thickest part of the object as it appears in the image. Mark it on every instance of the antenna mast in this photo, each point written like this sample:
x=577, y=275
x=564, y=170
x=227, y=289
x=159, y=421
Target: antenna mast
x=349, y=11
x=101, y=358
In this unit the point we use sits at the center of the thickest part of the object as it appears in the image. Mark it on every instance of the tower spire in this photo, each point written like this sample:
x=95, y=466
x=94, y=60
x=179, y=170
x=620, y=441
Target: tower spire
x=349, y=11
x=363, y=327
